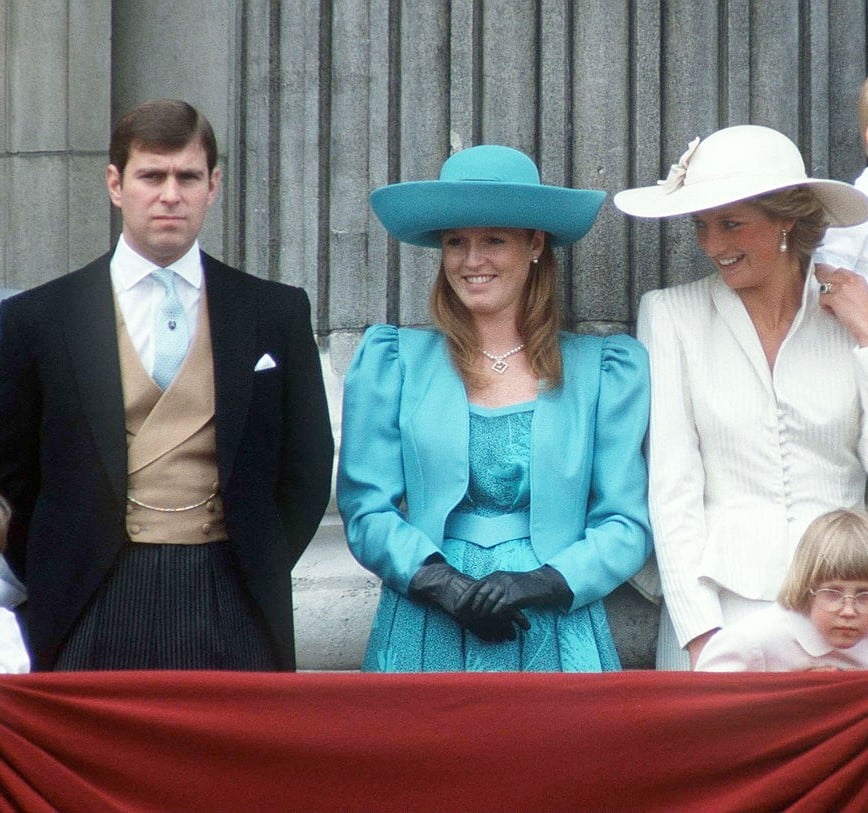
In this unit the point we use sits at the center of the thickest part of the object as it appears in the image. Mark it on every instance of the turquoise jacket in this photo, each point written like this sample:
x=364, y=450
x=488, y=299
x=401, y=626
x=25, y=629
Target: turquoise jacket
x=404, y=458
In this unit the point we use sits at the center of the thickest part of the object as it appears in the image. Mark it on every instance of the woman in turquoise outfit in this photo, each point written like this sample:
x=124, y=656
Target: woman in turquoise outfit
x=491, y=470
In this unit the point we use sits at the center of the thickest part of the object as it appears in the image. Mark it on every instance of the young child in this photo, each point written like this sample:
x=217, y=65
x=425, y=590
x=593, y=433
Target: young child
x=821, y=618
x=13, y=655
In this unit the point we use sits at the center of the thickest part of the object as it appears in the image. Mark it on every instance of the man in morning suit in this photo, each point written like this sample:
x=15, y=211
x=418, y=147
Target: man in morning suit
x=164, y=435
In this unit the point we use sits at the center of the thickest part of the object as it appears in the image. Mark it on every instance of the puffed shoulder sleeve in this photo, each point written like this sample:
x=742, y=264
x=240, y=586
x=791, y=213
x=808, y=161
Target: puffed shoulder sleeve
x=370, y=482
x=617, y=538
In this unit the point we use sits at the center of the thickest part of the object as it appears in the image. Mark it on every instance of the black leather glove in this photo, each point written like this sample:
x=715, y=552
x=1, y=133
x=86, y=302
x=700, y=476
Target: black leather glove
x=440, y=584
x=504, y=592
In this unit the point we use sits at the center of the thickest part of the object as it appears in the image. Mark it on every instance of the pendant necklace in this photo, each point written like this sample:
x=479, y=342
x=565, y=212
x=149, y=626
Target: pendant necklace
x=500, y=366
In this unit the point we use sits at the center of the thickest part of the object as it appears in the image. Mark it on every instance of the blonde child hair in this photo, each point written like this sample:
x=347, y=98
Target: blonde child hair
x=834, y=546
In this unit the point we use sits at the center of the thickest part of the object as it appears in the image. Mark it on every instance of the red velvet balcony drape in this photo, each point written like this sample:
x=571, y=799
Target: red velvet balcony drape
x=256, y=743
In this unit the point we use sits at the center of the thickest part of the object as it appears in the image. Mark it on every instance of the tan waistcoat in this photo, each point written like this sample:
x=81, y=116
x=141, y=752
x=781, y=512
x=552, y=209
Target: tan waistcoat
x=171, y=445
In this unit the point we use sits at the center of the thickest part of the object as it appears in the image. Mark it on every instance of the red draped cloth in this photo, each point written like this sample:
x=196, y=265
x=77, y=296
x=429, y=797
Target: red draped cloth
x=255, y=743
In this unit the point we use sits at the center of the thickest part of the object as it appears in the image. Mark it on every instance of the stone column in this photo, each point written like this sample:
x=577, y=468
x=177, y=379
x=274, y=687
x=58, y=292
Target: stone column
x=54, y=106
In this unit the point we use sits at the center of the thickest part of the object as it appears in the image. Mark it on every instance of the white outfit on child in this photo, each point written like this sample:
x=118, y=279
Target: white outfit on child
x=774, y=639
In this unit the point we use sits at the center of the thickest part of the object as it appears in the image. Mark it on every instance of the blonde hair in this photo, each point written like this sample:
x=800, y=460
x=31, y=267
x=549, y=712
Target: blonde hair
x=538, y=324
x=834, y=546
x=862, y=115
x=797, y=203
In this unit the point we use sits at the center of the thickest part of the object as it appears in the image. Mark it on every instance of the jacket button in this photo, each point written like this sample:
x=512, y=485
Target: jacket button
x=206, y=528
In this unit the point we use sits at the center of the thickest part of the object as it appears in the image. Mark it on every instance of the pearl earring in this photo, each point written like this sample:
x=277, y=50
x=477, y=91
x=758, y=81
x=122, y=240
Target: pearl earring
x=783, y=246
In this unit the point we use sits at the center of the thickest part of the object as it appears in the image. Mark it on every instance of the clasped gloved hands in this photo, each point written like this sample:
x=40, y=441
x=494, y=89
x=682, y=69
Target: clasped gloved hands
x=504, y=592
x=440, y=584
x=490, y=607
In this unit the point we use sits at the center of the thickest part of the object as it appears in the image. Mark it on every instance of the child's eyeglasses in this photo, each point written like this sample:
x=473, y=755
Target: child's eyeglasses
x=832, y=599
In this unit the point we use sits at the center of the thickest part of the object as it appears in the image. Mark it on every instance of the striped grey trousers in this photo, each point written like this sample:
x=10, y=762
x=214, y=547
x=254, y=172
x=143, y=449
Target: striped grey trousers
x=170, y=607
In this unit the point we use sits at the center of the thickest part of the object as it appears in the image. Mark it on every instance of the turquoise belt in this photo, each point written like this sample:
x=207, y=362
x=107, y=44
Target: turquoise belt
x=487, y=531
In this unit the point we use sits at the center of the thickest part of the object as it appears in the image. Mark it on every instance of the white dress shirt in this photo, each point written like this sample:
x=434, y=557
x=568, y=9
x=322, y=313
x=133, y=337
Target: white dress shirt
x=139, y=295
x=13, y=656
x=847, y=247
x=741, y=458
x=777, y=640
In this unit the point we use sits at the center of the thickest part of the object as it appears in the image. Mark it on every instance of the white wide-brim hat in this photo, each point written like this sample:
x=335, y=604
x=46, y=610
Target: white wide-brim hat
x=486, y=185
x=736, y=164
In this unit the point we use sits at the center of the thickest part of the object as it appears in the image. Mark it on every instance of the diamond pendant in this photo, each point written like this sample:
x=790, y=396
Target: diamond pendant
x=500, y=366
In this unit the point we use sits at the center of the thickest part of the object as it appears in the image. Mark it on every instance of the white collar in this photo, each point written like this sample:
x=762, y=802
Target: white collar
x=129, y=268
x=813, y=642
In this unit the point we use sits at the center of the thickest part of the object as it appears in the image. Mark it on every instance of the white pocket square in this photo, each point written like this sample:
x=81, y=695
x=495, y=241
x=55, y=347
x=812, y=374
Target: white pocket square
x=264, y=363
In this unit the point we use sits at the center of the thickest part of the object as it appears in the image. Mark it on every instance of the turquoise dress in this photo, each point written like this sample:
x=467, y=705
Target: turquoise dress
x=410, y=637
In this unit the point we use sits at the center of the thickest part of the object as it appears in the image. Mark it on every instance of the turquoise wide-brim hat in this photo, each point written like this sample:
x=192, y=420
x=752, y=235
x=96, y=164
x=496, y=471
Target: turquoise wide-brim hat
x=486, y=185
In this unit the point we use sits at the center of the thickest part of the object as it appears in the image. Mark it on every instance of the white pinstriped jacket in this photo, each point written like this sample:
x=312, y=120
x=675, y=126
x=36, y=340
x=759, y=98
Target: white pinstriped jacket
x=742, y=459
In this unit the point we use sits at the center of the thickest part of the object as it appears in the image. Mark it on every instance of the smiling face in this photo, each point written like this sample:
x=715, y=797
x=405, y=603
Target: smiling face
x=163, y=197
x=488, y=267
x=847, y=626
x=743, y=243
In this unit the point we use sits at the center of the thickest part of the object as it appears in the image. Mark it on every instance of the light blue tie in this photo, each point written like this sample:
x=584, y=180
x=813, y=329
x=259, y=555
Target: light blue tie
x=171, y=335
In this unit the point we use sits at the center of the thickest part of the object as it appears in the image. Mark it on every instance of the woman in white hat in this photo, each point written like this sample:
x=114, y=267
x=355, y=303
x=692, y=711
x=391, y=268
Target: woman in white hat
x=491, y=471
x=758, y=420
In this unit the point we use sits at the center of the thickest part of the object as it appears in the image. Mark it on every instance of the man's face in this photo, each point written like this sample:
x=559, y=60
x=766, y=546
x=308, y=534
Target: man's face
x=163, y=198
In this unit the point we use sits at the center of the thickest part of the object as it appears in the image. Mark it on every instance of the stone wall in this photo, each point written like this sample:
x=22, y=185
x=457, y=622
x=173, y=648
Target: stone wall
x=316, y=103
